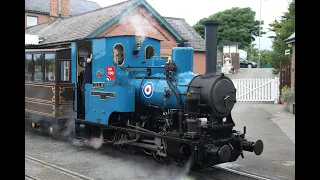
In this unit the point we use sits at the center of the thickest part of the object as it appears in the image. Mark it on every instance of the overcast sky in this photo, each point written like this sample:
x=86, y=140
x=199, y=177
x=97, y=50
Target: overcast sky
x=192, y=11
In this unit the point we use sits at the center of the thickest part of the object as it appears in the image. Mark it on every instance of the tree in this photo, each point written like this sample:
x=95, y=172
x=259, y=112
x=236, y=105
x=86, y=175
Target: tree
x=283, y=29
x=235, y=25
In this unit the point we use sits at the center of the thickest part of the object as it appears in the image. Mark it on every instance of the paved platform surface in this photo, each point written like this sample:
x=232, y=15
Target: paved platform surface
x=276, y=128
x=268, y=122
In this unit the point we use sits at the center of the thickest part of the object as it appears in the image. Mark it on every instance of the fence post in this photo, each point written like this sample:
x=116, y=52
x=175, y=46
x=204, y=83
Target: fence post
x=277, y=93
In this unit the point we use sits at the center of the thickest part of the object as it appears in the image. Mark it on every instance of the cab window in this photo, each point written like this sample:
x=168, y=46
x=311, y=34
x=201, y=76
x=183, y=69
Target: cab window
x=149, y=52
x=118, y=54
x=82, y=56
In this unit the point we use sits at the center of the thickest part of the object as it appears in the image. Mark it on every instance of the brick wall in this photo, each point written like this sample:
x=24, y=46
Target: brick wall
x=42, y=18
x=293, y=79
x=141, y=22
x=199, y=62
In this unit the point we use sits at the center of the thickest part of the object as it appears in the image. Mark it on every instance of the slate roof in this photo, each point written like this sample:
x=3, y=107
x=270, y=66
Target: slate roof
x=80, y=26
x=77, y=27
x=76, y=6
x=187, y=32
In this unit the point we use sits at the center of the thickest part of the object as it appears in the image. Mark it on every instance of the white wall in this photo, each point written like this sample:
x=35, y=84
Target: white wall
x=242, y=54
x=230, y=49
x=31, y=39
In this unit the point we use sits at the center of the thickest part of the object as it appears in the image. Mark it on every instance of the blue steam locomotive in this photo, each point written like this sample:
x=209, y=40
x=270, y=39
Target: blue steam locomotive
x=121, y=92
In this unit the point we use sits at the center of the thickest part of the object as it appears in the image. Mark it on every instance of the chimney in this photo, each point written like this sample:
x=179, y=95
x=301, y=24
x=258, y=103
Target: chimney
x=65, y=8
x=54, y=10
x=211, y=38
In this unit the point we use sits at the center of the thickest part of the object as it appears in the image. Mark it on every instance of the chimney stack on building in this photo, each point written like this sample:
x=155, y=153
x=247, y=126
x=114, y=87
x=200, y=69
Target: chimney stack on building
x=59, y=8
x=65, y=8
x=54, y=10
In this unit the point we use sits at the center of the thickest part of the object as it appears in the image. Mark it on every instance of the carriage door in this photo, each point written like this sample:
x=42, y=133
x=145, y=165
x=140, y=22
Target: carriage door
x=83, y=49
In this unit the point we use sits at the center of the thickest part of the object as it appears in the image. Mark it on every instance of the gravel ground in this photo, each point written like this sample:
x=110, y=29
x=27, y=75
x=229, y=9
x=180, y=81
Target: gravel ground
x=104, y=163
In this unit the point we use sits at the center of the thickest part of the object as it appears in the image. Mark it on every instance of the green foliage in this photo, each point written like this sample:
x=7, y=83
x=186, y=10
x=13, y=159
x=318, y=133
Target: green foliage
x=274, y=58
x=50, y=63
x=282, y=29
x=288, y=94
x=235, y=25
x=284, y=89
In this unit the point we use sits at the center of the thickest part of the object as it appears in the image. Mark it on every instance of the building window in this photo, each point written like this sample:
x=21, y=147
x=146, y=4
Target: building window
x=50, y=67
x=149, y=52
x=32, y=21
x=118, y=54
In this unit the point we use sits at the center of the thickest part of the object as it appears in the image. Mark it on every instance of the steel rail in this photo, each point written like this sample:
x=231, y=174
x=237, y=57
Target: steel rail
x=253, y=176
x=65, y=171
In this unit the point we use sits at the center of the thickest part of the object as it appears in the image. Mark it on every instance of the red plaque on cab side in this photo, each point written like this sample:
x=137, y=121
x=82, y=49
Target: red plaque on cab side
x=110, y=73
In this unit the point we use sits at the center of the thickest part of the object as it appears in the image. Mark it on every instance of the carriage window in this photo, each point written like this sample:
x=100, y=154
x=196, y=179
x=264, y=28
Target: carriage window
x=65, y=71
x=149, y=52
x=28, y=67
x=118, y=54
x=83, y=53
x=50, y=67
x=38, y=72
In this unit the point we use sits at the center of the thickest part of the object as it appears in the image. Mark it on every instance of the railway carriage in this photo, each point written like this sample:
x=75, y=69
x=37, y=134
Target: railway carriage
x=126, y=95
x=48, y=89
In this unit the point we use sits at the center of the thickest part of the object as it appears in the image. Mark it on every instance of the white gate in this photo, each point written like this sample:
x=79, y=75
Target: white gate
x=257, y=89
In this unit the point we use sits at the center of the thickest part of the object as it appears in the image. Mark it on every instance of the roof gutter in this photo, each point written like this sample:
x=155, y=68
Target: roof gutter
x=288, y=41
x=48, y=45
x=62, y=42
x=36, y=12
x=199, y=50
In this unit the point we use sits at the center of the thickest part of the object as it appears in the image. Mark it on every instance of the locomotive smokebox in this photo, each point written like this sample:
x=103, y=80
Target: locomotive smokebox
x=217, y=92
x=211, y=38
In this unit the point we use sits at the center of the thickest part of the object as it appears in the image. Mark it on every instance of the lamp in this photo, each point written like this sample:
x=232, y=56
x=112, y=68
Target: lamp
x=138, y=42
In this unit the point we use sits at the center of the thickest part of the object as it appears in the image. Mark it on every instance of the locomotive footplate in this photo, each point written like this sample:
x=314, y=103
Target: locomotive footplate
x=158, y=135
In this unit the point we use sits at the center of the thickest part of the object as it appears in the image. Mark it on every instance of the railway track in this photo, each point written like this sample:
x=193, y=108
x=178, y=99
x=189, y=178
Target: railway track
x=218, y=173
x=244, y=174
x=56, y=168
x=224, y=173
x=28, y=177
